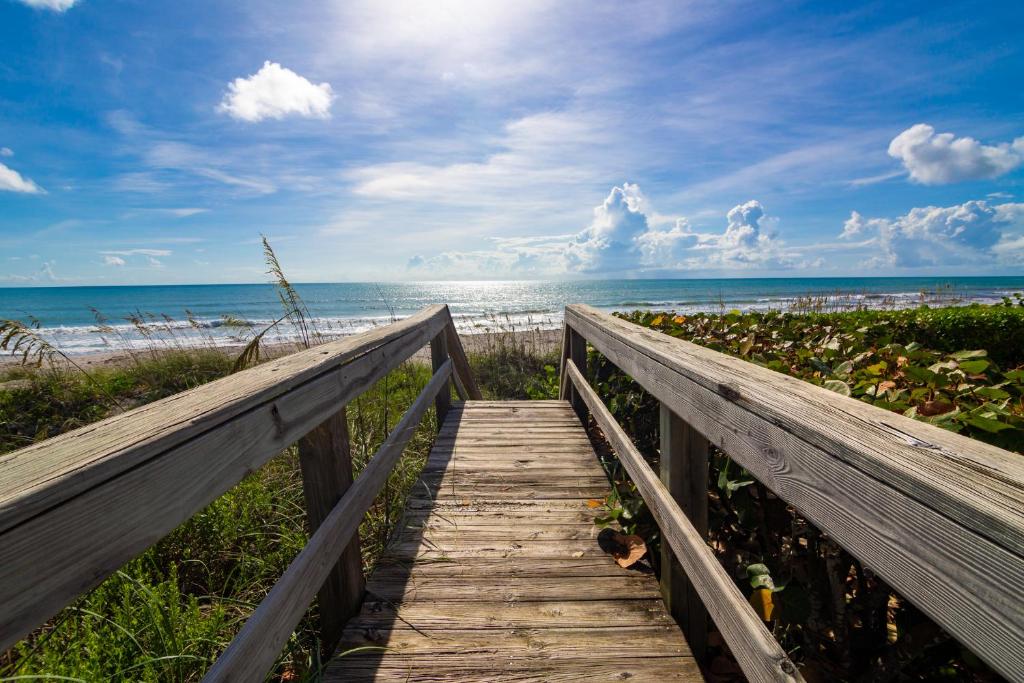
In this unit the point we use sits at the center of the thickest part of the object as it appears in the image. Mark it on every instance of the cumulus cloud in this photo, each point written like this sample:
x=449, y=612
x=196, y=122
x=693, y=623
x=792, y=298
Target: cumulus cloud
x=620, y=238
x=972, y=232
x=935, y=159
x=12, y=181
x=55, y=5
x=44, y=274
x=274, y=92
x=113, y=261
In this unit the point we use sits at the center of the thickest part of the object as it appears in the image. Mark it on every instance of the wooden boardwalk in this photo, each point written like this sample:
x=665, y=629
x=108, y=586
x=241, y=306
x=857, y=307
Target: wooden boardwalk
x=497, y=574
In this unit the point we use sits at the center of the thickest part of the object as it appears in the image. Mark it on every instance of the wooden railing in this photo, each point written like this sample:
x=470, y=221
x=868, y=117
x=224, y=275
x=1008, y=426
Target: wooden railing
x=76, y=507
x=939, y=516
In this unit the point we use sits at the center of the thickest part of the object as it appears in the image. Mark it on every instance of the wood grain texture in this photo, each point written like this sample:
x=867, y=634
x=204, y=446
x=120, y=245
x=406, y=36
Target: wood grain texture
x=939, y=516
x=497, y=575
x=755, y=649
x=438, y=357
x=43, y=475
x=326, y=463
x=253, y=651
x=66, y=502
x=684, y=472
x=463, y=375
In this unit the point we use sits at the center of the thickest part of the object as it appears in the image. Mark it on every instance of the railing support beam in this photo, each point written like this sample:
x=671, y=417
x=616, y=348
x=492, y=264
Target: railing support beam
x=326, y=462
x=578, y=355
x=684, y=472
x=438, y=357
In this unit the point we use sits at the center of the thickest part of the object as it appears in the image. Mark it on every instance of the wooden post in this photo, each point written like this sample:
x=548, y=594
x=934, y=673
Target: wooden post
x=578, y=354
x=438, y=355
x=326, y=463
x=684, y=472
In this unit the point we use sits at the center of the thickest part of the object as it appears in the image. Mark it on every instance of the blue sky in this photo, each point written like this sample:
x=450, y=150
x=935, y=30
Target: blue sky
x=147, y=142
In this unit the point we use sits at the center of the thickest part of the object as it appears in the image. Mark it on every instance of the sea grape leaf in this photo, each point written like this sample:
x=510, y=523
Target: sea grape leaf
x=973, y=367
x=838, y=386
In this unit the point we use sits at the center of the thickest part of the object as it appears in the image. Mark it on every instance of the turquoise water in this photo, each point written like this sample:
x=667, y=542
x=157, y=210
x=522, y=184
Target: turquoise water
x=345, y=308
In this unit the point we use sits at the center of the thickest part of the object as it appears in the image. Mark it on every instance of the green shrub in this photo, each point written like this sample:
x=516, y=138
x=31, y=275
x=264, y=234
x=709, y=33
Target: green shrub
x=958, y=368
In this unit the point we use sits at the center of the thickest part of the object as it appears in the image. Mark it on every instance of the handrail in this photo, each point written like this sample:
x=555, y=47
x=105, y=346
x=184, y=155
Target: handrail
x=758, y=653
x=76, y=507
x=253, y=651
x=939, y=516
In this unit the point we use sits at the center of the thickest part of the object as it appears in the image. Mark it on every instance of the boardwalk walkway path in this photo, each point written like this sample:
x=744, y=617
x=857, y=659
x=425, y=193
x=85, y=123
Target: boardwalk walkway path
x=497, y=574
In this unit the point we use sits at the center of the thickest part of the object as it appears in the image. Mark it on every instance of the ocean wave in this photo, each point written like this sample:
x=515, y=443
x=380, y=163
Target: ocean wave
x=218, y=331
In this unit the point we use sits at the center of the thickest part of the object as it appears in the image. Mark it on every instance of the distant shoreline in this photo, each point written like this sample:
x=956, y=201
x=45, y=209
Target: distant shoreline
x=537, y=341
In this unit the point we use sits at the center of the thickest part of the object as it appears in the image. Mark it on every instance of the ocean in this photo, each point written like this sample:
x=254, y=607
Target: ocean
x=67, y=318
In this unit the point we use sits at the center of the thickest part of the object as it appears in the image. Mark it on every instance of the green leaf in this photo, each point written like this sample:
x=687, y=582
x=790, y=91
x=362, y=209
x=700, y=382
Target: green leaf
x=844, y=368
x=967, y=355
x=987, y=424
x=973, y=367
x=877, y=369
x=992, y=393
x=837, y=386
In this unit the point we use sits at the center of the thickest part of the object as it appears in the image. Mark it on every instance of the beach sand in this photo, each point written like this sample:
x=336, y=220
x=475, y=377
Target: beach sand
x=535, y=341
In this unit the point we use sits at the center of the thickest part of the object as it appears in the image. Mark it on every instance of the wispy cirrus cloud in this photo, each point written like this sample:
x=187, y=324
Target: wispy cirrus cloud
x=137, y=252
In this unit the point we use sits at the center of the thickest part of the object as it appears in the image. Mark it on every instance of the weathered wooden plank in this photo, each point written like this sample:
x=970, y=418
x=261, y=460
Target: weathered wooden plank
x=479, y=559
x=381, y=667
x=631, y=642
x=684, y=472
x=502, y=567
x=83, y=539
x=876, y=482
x=438, y=357
x=577, y=356
x=515, y=589
x=490, y=534
x=756, y=651
x=459, y=361
x=494, y=548
x=498, y=518
x=253, y=651
x=536, y=507
x=326, y=464
x=429, y=615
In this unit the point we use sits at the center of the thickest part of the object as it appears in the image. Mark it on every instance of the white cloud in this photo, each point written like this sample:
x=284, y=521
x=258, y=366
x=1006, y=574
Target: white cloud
x=192, y=159
x=185, y=212
x=12, y=181
x=55, y=5
x=540, y=155
x=138, y=252
x=6, y=152
x=113, y=261
x=621, y=240
x=274, y=92
x=972, y=232
x=44, y=274
x=937, y=159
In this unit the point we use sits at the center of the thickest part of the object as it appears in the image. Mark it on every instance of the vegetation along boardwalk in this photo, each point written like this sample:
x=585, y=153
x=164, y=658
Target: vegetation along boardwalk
x=497, y=574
